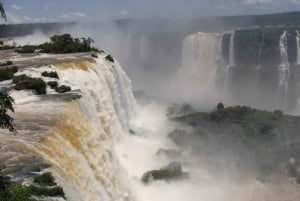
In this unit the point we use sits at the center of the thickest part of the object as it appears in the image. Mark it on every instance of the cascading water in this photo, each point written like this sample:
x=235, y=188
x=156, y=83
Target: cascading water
x=200, y=57
x=284, y=69
x=230, y=66
x=258, y=67
x=79, y=143
x=298, y=46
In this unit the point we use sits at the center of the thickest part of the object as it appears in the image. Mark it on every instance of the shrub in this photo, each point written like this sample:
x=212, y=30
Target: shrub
x=65, y=43
x=20, y=78
x=51, y=192
x=19, y=192
x=109, y=58
x=50, y=74
x=45, y=179
x=63, y=89
x=26, y=49
x=24, y=82
x=38, y=85
x=52, y=84
x=6, y=74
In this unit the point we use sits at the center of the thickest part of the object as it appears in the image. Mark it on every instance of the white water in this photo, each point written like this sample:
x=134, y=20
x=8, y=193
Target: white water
x=284, y=69
x=230, y=66
x=200, y=58
x=258, y=67
x=298, y=46
x=79, y=145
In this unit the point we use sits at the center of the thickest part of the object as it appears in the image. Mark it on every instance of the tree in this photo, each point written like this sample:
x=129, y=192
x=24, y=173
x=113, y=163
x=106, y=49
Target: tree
x=2, y=11
x=6, y=104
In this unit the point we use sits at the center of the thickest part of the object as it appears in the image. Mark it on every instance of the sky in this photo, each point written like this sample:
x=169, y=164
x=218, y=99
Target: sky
x=20, y=11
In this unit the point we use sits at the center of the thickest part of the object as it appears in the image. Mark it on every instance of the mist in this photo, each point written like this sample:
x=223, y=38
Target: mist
x=190, y=61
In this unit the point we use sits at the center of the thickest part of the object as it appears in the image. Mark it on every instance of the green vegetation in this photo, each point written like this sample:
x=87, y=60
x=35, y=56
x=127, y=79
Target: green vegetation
x=2, y=11
x=6, y=121
x=109, y=58
x=50, y=74
x=17, y=192
x=24, y=82
x=63, y=89
x=26, y=49
x=261, y=138
x=66, y=44
x=45, y=179
x=20, y=78
x=173, y=171
x=60, y=44
x=7, y=73
x=51, y=192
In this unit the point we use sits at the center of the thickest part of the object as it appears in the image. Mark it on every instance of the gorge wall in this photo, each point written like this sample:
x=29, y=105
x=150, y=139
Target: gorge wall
x=257, y=67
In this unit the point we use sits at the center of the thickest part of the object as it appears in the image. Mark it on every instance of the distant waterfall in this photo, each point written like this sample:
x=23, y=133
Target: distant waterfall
x=284, y=68
x=228, y=72
x=199, y=63
x=258, y=67
x=298, y=46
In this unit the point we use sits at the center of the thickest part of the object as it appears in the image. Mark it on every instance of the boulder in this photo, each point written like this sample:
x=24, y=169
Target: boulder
x=63, y=89
x=173, y=171
x=170, y=153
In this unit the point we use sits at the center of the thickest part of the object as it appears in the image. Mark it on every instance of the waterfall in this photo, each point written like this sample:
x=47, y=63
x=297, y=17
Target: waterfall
x=284, y=68
x=79, y=143
x=200, y=58
x=258, y=67
x=298, y=46
x=230, y=66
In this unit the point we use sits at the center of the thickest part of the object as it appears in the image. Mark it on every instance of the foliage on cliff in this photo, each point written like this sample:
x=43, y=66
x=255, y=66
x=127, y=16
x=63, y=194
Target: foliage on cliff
x=253, y=137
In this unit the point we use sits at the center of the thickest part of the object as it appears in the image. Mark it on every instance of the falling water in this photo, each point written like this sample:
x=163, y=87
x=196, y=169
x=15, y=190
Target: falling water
x=298, y=46
x=284, y=69
x=79, y=142
x=258, y=67
x=231, y=65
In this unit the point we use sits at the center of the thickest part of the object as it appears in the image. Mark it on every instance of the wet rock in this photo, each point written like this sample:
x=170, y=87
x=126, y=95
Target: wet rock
x=173, y=171
x=50, y=74
x=170, y=153
x=110, y=58
x=63, y=89
x=53, y=84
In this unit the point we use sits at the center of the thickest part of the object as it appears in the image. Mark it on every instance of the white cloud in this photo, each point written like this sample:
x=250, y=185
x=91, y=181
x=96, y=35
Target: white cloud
x=16, y=7
x=250, y=2
x=71, y=15
x=14, y=19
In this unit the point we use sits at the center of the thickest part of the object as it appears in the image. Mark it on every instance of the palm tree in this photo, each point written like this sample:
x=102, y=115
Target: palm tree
x=6, y=102
x=2, y=11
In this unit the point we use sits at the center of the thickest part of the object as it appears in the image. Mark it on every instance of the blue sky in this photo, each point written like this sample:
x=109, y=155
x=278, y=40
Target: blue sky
x=19, y=11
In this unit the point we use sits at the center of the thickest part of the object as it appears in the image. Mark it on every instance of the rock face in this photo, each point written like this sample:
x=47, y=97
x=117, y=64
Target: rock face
x=173, y=171
x=170, y=153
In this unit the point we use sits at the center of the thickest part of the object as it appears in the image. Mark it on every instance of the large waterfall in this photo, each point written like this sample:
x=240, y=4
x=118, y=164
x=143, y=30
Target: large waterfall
x=79, y=136
x=200, y=58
